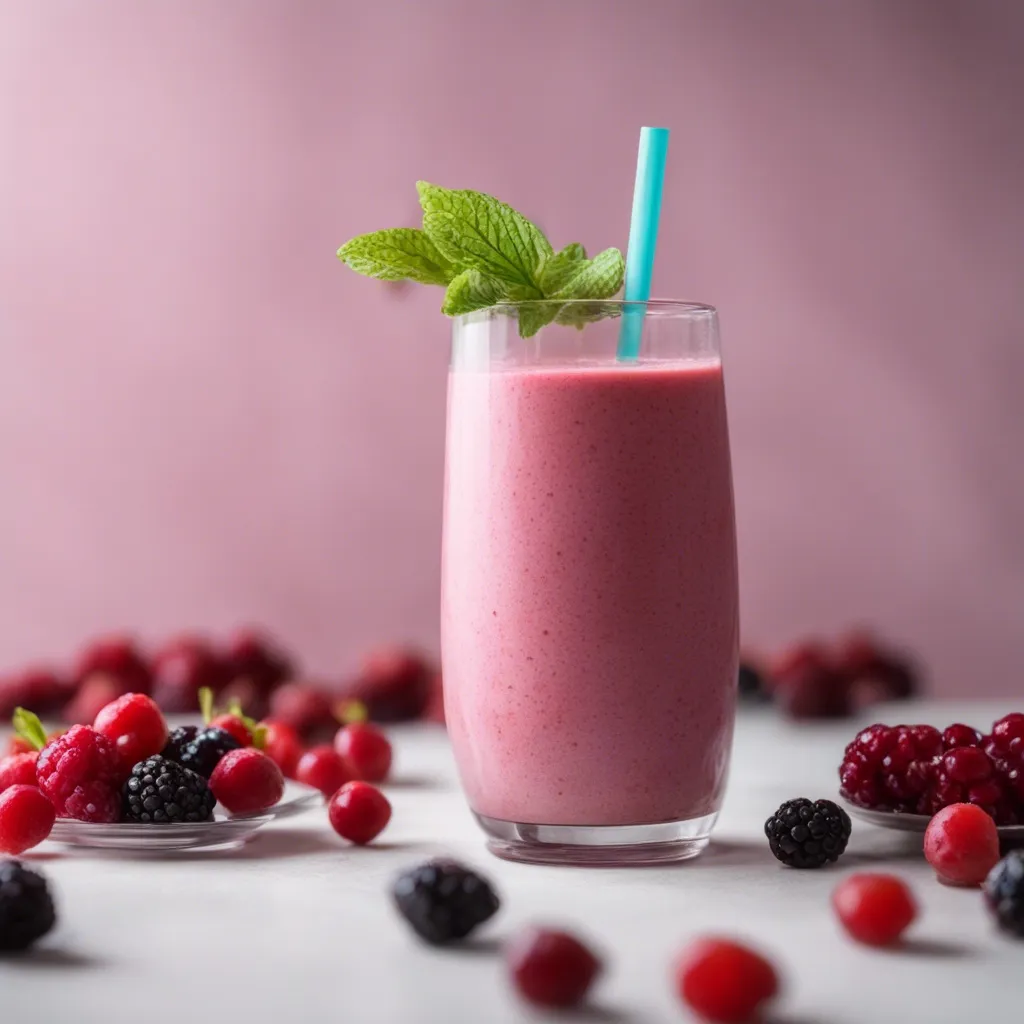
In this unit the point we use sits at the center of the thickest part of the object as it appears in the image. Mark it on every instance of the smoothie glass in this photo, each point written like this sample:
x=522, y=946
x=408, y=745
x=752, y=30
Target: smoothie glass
x=589, y=581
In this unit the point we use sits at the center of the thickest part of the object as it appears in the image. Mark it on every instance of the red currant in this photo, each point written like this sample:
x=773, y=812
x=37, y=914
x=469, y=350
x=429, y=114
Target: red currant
x=724, y=981
x=366, y=751
x=966, y=765
x=959, y=735
x=135, y=725
x=962, y=844
x=359, y=812
x=322, y=768
x=874, y=908
x=26, y=818
x=246, y=781
x=551, y=968
x=283, y=746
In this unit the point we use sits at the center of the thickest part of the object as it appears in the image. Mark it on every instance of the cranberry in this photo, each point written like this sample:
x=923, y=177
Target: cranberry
x=724, y=981
x=966, y=764
x=359, y=812
x=958, y=735
x=233, y=725
x=366, y=751
x=304, y=706
x=874, y=909
x=134, y=724
x=394, y=684
x=962, y=844
x=283, y=746
x=252, y=655
x=26, y=818
x=246, y=781
x=181, y=668
x=551, y=968
x=118, y=658
x=18, y=770
x=323, y=769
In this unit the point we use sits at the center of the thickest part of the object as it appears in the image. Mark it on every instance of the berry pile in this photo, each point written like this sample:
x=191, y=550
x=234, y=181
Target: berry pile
x=918, y=770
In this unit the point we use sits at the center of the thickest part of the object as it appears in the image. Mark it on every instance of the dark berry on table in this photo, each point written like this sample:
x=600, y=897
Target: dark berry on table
x=359, y=812
x=26, y=907
x=78, y=758
x=181, y=668
x=304, y=706
x=135, y=725
x=724, y=981
x=551, y=968
x=203, y=753
x=179, y=738
x=959, y=735
x=806, y=834
x=246, y=781
x=875, y=909
x=1004, y=893
x=962, y=845
x=443, y=900
x=322, y=768
x=233, y=725
x=396, y=685
x=18, y=770
x=365, y=750
x=283, y=745
x=162, y=792
x=752, y=684
x=26, y=818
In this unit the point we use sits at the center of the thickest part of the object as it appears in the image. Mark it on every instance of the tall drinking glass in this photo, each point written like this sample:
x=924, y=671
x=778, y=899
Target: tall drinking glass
x=589, y=595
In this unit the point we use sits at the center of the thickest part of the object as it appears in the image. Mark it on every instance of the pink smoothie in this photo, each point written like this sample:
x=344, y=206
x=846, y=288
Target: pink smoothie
x=589, y=607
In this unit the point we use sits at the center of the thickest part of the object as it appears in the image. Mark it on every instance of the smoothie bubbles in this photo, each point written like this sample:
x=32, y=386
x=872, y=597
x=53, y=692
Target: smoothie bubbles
x=589, y=619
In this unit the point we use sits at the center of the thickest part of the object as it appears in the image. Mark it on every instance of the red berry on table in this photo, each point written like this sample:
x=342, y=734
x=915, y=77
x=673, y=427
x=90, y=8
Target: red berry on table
x=1006, y=730
x=551, y=968
x=394, y=684
x=359, y=812
x=962, y=844
x=92, y=697
x=79, y=771
x=181, y=668
x=135, y=725
x=246, y=781
x=117, y=657
x=18, y=770
x=38, y=689
x=875, y=909
x=724, y=981
x=966, y=764
x=282, y=745
x=18, y=745
x=26, y=818
x=366, y=751
x=233, y=725
x=304, y=706
x=323, y=769
x=958, y=735
x=251, y=654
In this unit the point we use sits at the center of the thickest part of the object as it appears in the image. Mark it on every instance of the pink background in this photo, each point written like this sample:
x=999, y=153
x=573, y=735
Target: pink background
x=205, y=420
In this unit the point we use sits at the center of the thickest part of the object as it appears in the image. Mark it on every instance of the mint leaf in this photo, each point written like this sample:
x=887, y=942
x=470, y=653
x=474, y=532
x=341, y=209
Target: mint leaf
x=470, y=291
x=534, y=316
x=29, y=728
x=475, y=231
x=579, y=314
x=397, y=254
x=599, y=278
x=561, y=267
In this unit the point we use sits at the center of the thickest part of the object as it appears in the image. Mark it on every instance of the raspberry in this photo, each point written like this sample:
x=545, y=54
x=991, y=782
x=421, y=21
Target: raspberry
x=959, y=735
x=874, y=908
x=444, y=901
x=134, y=724
x=394, y=684
x=359, y=812
x=246, y=781
x=80, y=758
x=724, y=981
x=181, y=668
x=323, y=769
x=96, y=802
x=18, y=770
x=26, y=818
x=161, y=792
x=551, y=968
x=1004, y=893
x=962, y=844
x=803, y=834
x=281, y=743
x=365, y=750
x=26, y=907
x=304, y=707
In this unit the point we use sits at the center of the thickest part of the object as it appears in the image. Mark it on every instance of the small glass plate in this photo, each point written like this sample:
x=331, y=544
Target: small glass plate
x=223, y=831
x=903, y=822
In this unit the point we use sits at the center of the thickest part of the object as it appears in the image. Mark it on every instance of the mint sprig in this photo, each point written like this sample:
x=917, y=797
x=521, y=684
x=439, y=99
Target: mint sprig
x=484, y=252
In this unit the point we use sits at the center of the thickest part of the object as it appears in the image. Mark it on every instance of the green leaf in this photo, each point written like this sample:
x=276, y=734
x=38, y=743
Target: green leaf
x=599, y=278
x=397, y=254
x=579, y=314
x=472, y=290
x=532, y=317
x=206, y=704
x=475, y=231
x=29, y=728
x=561, y=267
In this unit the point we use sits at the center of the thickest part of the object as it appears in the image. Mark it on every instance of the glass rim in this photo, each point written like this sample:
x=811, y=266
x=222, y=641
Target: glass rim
x=660, y=307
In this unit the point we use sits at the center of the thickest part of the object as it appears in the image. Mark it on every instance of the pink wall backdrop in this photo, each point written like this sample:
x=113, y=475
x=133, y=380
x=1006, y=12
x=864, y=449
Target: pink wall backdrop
x=205, y=420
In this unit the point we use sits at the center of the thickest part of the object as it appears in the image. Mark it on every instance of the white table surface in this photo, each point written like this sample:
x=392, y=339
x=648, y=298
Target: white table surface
x=298, y=926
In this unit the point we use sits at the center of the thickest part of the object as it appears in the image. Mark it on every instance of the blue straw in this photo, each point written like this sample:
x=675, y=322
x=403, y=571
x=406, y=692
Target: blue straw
x=643, y=235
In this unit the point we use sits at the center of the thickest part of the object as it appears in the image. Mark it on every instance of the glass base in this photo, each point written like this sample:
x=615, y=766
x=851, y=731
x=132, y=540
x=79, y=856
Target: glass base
x=598, y=845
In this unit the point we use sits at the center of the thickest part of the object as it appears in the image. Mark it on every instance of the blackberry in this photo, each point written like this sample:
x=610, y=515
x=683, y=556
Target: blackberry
x=752, y=685
x=803, y=834
x=160, y=792
x=443, y=900
x=1004, y=893
x=178, y=740
x=206, y=749
x=26, y=907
